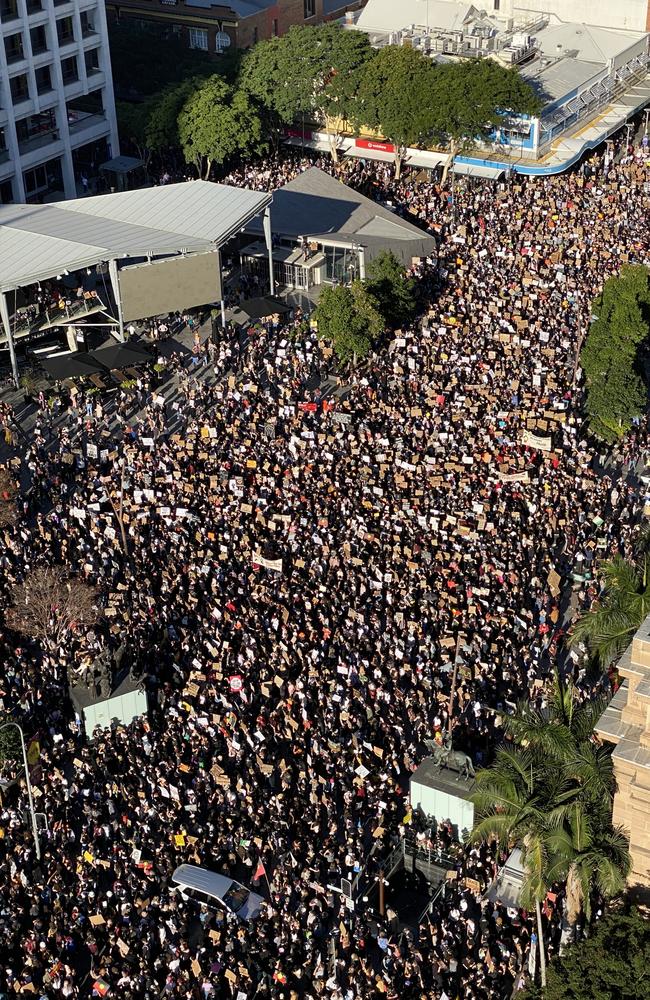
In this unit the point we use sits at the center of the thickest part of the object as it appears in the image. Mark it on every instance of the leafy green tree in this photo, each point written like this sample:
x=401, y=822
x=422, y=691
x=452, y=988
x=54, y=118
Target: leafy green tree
x=473, y=97
x=394, y=292
x=608, y=626
x=348, y=315
x=616, y=390
x=394, y=97
x=305, y=73
x=348, y=53
x=551, y=792
x=10, y=748
x=216, y=124
x=161, y=129
x=132, y=121
x=613, y=963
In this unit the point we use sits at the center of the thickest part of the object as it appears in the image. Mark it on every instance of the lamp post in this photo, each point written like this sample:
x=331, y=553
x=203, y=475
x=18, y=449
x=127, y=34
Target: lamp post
x=37, y=844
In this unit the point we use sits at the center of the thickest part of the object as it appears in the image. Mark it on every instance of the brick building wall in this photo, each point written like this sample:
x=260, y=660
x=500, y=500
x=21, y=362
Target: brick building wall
x=275, y=19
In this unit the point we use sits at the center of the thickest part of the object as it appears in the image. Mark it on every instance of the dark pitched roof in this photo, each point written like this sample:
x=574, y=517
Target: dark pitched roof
x=316, y=204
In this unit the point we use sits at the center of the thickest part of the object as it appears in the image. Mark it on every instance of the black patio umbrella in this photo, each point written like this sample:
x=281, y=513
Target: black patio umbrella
x=71, y=365
x=251, y=309
x=120, y=356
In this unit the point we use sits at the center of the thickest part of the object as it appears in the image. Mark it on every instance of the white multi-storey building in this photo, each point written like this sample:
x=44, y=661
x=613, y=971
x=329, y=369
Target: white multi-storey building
x=57, y=111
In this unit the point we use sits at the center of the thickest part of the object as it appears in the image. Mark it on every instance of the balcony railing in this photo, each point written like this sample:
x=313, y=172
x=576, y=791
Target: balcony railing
x=80, y=120
x=37, y=141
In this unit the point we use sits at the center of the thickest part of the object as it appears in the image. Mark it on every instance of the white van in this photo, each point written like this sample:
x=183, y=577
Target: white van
x=205, y=887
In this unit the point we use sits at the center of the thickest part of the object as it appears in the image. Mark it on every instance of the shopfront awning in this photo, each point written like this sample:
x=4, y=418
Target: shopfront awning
x=478, y=170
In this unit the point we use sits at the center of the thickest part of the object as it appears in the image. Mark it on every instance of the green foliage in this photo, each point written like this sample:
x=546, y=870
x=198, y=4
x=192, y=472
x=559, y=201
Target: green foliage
x=616, y=391
x=348, y=53
x=551, y=792
x=161, y=130
x=307, y=71
x=394, y=292
x=609, y=625
x=10, y=748
x=394, y=96
x=612, y=964
x=216, y=124
x=349, y=316
x=472, y=97
x=132, y=120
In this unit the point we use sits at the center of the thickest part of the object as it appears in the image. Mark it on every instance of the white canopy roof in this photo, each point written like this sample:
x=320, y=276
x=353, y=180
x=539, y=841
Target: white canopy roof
x=39, y=241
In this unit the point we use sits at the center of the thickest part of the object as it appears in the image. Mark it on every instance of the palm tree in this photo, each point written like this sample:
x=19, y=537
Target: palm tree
x=552, y=793
x=609, y=625
x=589, y=858
x=509, y=798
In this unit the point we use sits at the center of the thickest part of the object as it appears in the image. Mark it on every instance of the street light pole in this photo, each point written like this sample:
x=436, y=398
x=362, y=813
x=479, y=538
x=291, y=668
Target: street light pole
x=37, y=843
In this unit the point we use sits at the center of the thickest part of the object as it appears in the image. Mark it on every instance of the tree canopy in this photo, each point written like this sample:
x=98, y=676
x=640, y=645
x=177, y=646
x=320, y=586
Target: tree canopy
x=393, y=291
x=349, y=316
x=217, y=123
x=551, y=791
x=608, y=626
x=473, y=97
x=611, y=356
x=395, y=96
x=307, y=71
x=613, y=963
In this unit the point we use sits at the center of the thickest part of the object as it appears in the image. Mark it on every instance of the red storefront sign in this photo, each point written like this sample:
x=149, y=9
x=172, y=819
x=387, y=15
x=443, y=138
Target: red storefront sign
x=383, y=147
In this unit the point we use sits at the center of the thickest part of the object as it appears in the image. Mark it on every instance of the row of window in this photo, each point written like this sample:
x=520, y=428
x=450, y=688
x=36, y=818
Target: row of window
x=9, y=10
x=15, y=45
x=19, y=85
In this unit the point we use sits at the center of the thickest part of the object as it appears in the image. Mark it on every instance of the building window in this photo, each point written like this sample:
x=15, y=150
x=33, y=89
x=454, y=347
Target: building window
x=6, y=193
x=223, y=41
x=35, y=180
x=65, y=30
x=38, y=39
x=43, y=80
x=69, y=70
x=87, y=24
x=310, y=8
x=34, y=6
x=8, y=11
x=497, y=4
x=274, y=27
x=14, y=48
x=19, y=88
x=199, y=38
x=91, y=58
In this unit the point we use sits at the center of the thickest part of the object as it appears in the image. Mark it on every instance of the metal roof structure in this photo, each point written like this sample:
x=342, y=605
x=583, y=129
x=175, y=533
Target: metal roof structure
x=318, y=206
x=39, y=241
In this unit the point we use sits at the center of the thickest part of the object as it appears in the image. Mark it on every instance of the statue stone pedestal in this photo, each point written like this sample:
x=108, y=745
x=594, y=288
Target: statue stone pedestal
x=443, y=793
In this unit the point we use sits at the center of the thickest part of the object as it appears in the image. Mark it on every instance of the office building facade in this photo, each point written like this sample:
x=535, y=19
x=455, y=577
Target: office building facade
x=57, y=110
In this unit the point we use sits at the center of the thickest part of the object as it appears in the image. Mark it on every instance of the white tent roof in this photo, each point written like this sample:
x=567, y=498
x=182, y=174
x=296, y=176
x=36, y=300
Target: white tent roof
x=38, y=241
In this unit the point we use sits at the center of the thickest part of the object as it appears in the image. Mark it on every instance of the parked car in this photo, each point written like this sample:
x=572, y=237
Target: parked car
x=207, y=888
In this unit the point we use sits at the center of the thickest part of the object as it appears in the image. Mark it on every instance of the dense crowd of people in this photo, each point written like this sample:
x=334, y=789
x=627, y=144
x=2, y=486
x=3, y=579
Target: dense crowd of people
x=301, y=562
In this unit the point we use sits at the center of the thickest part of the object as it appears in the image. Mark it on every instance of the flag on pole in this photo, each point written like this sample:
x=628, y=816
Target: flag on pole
x=259, y=871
